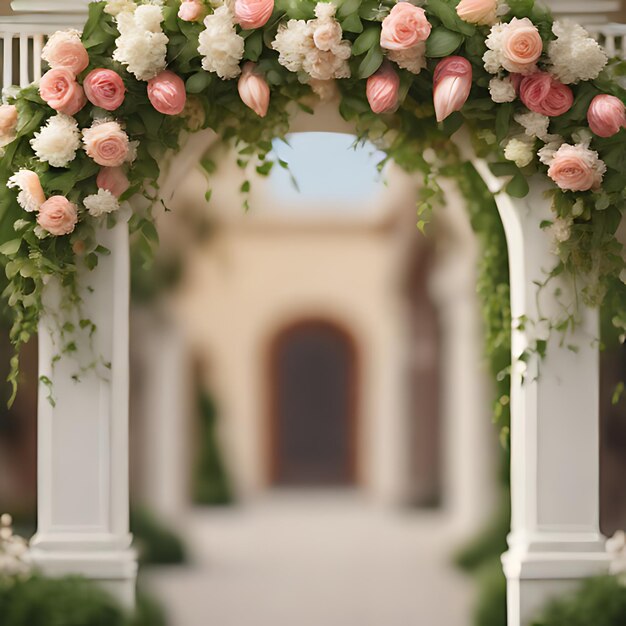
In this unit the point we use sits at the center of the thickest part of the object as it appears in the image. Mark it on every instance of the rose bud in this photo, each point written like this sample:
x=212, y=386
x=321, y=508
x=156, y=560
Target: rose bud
x=167, y=94
x=254, y=90
x=253, y=13
x=606, y=115
x=382, y=89
x=452, y=84
x=482, y=12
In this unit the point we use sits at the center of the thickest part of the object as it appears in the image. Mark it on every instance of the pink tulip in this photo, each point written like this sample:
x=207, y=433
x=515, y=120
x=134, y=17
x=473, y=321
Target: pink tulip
x=254, y=90
x=478, y=11
x=382, y=89
x=114, y=180
x=253, y=13
x=606, y=115
x=166, y=92
x=452, y=84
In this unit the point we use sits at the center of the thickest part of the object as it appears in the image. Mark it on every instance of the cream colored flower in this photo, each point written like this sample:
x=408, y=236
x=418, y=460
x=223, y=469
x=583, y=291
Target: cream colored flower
x=57, y=142
x=220, y=45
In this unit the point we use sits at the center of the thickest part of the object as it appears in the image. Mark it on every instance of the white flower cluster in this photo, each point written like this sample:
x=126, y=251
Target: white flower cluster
x=616, y=547
x=535, y=124
x=315, y=47
x=57, y=142
x=412, y=59
x=561, y=229
x=502, y=90
x=142, y=44
x=220, y=45
x=520, y=150
x=546, y=154
x=115, y=7
x=102, y=203
x=574, y=55
x=13, y=551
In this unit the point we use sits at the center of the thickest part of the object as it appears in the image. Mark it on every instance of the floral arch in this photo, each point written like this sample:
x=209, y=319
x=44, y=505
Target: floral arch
x=535, y=105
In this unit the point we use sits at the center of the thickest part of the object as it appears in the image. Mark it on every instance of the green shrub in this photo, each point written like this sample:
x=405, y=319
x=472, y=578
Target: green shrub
x=156, y=544
x=490, y=609
x=599, y=602
x=71, y=601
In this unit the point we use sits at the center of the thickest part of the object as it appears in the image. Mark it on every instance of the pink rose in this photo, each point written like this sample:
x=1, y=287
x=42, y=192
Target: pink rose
x=167, y=94
x=576, y=168
x=253, y=13
x=452, y=82
x=59, y=89
x=254, y=90
x=105, y=89
x=191, y=10
x=382, y=89
x=521, y=45
x=404, y=27
x=113, y=179
x=606, y=115
x=65, y=50
x=544, y=94
x=107, y=144
x=8, y=120
x=58, y=216
x=482, y=12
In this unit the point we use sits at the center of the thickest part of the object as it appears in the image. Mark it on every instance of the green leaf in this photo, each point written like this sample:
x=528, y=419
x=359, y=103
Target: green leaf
x=505, y=168
x=10, y=247
x=368, y=38
x=443, y=42
x=348, y=7
x=503, y=120
x=518, y=187
x=253, y=47
x=372, y=61
x=447, y=14
x=352, y=24
x=198, y=82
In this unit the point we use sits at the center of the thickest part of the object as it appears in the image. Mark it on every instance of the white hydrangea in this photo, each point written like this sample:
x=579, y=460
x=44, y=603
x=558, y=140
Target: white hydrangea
x=574, y=55
x=546, y=154
x=142, y=44
x=535, y=124
x=220, y=45
x=316, y=47
x=561, y=229
x=520, y=150
x=502, y=90
x=115, y=7
x=412, y=59
x=13, y=551
x=102, y=203
x=57, y=142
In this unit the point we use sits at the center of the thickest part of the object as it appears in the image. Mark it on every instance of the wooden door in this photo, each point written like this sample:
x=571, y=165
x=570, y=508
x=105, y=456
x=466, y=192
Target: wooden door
x=313, y=408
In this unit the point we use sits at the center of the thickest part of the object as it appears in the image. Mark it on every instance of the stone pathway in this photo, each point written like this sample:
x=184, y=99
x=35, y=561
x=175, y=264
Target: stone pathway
x=319, y=559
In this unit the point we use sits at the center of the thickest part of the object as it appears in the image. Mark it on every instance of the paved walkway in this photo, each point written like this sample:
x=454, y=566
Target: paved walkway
x=327, y=559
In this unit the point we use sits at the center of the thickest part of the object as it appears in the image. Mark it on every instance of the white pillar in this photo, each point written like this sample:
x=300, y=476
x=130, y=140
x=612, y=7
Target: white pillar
x=555, y=539
x=83, y=435
x=51, y=6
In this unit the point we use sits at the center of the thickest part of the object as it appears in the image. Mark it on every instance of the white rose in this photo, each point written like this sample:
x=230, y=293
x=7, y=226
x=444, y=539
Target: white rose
x=520, y=151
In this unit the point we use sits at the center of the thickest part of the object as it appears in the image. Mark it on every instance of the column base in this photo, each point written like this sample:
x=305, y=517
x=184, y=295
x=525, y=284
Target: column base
x=114, y=569
x=550, y=566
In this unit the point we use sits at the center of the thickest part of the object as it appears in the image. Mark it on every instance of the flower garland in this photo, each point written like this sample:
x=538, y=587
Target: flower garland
x=538, y=96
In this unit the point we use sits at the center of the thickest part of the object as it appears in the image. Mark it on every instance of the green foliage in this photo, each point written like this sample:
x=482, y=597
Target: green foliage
x=490, y=608
x=156, y=544
x=600, y=601
x=211, y=484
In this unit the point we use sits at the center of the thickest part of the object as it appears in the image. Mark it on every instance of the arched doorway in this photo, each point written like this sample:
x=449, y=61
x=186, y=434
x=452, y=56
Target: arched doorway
x=313, y=406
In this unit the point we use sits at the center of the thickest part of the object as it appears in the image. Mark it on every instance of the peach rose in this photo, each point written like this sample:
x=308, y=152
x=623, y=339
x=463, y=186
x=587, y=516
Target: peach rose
x=254, y=90
x=8, y=122
x=521, y=44
x=59, y=89
x=576, y=168
x=65, y=50
x=191, y=10
x=544, y=94
x=107, y=144
x=113, y=179
x=31, y=195
x=167, y=94
x=482, y=12
x=105, y=89
x=606, y=115
x=253, y=13
x=58, y=216
x=382, y=89
x=404, y=27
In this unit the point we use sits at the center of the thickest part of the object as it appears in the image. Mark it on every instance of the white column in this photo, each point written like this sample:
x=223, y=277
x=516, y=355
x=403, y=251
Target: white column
x=83, y=433
x=555, y=539
x=50, y=6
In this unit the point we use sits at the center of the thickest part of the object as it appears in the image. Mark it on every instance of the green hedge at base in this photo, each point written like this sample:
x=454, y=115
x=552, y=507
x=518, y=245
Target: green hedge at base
x=599, y=602
x=155, y=543
x=72, y=601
